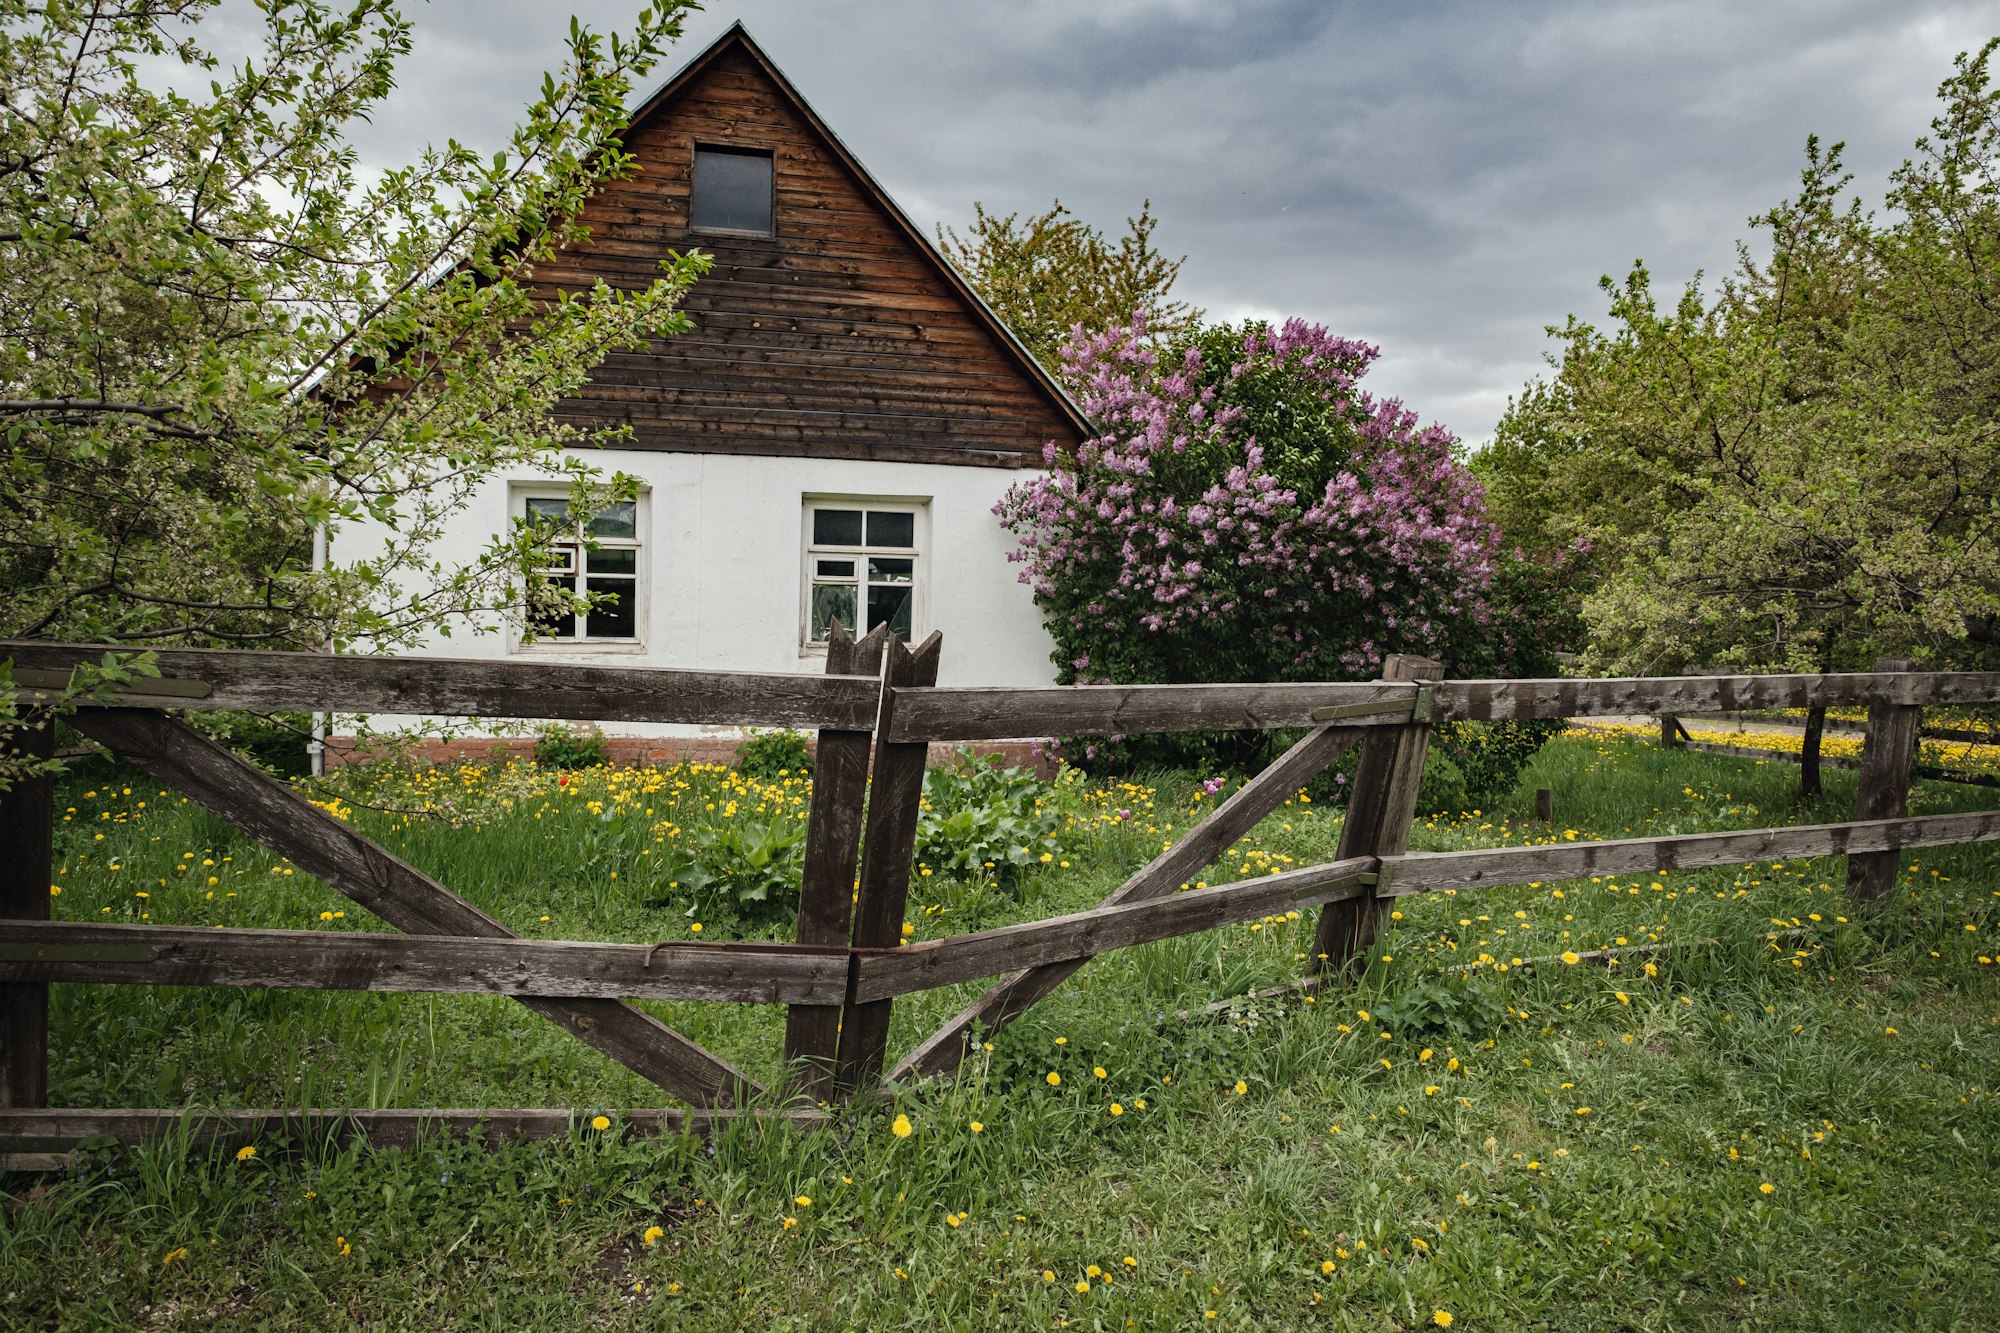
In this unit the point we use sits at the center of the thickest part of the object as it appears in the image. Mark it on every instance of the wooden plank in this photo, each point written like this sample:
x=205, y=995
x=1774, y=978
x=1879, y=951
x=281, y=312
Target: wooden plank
x=802, y=445
x=941, y=1052
x=1484, y=700
x=62, y=1129
x=464, y=687
x=145, y=955
x=1887, y=756
x=1381, y=802
x=1429, y=872
x=983, y=714
x=883, y=973
x=827, y=887
x=887, y=855
x=27, y=833
x=395, y=891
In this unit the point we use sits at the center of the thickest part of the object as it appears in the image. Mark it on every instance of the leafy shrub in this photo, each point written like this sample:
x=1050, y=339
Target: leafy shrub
x=769, y=754
x=558, y=746
x=1454, y=1006
x=276, y=744
x=1489, y=756
x=978, y=814
x=1443, y=785
x=752, y=864
x=1249, y=514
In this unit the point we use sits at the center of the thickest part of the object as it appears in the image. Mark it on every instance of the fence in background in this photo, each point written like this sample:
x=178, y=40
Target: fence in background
x=876, y=711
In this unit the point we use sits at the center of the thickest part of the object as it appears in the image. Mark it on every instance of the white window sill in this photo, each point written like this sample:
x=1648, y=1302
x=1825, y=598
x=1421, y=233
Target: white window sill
x=573, y=649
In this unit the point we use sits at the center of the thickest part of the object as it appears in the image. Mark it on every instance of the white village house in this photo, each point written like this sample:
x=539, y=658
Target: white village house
x=827, y=443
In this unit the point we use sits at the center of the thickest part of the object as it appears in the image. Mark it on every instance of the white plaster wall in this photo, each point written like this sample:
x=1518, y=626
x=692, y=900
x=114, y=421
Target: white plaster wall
x=723, y=566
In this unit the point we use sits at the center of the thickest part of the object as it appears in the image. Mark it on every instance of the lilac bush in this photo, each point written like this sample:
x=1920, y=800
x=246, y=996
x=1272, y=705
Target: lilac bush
x=1249, y=516
x=1249, y=513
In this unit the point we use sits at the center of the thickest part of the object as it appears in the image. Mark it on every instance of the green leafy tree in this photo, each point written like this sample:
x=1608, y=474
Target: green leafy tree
x=217, y=335
x=1802, y=471
x=1055, y=272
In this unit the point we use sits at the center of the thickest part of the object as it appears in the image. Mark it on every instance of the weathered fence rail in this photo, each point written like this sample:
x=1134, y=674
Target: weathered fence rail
x=877, y=710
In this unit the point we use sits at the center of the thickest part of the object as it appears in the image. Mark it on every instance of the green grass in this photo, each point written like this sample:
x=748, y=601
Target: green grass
x=1852, y=1070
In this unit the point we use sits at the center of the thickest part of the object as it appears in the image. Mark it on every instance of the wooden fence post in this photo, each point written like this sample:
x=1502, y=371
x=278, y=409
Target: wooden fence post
x=1887, y=756
x=27, y=838
x=887, y=855
x=1380, y=806
x=833, y=842
x=1672, y=737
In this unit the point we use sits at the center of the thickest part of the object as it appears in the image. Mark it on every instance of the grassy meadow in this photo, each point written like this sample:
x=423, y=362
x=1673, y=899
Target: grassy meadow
x=1786, y=1117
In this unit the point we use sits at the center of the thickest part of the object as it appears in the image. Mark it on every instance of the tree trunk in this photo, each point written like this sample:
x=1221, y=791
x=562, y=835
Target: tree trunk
x=1809, y=753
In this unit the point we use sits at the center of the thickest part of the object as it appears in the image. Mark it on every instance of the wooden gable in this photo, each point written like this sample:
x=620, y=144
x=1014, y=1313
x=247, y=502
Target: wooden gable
x=844, y=334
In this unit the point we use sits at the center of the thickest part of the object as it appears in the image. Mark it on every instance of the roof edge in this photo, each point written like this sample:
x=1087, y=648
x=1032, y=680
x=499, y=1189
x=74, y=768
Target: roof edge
x=736, y=35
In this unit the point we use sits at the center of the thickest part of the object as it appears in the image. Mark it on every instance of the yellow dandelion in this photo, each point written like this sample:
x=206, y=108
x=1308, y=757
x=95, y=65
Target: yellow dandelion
x=600, y=1122
x=1442, y=1318
x=1767, y=1188
x=1241, y=1087
x=651, y=1235
x=977, y=1128
x=1571, y=957
x=902, y=1128
x=1054, y=1079
x=1117, y=1109
x=245, y=1153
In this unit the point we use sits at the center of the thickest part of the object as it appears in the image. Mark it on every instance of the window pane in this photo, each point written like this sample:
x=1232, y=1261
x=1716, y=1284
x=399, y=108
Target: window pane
x=831, y=602
x=561, y=626
x=732, y=191
x=559, y=558
x=614, y=560
x=839, y=569
x=892, y=529
x=890, y=606
x=890, y=570
x=547, y=511
x=836, y=527
x=617, y=617
x=618, y=520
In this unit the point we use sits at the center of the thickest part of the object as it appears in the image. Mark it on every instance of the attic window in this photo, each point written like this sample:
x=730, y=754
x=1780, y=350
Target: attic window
x=732, y=190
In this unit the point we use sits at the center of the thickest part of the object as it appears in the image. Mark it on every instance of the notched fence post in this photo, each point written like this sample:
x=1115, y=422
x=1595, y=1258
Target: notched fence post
x=1888, y=755
x=1380, y=805
x=27, y=840
x=833, y=843
x=887, y=857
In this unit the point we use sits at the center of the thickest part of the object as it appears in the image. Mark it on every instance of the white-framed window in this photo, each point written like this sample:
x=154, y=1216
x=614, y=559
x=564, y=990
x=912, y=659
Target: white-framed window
x=604, y=559
x=864, y=566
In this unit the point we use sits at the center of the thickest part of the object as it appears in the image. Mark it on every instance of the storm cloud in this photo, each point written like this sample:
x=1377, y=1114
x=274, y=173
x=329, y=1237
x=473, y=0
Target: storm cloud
x=1444, y=179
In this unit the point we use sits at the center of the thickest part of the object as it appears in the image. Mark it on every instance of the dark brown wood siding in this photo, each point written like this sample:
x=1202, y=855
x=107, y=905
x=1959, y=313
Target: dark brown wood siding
x=838, y=336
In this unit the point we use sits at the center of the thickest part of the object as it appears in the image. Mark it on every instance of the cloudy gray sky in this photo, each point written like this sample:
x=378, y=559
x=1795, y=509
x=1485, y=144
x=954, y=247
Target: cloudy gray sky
x=1442, y=178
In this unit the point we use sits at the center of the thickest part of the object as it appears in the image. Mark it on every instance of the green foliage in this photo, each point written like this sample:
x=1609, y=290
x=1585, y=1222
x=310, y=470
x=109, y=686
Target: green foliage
x=1458, y=1006
x=752, y=865
x=274, y=742
x=981, y=817
x=1443, y=784
x=770, y=754
x=1797, y=471
x=560, y=746
x=1054, y=272
x=221, y=335
x=1487, y=757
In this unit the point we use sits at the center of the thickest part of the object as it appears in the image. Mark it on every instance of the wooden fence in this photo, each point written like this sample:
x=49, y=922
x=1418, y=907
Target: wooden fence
x=876, y=710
